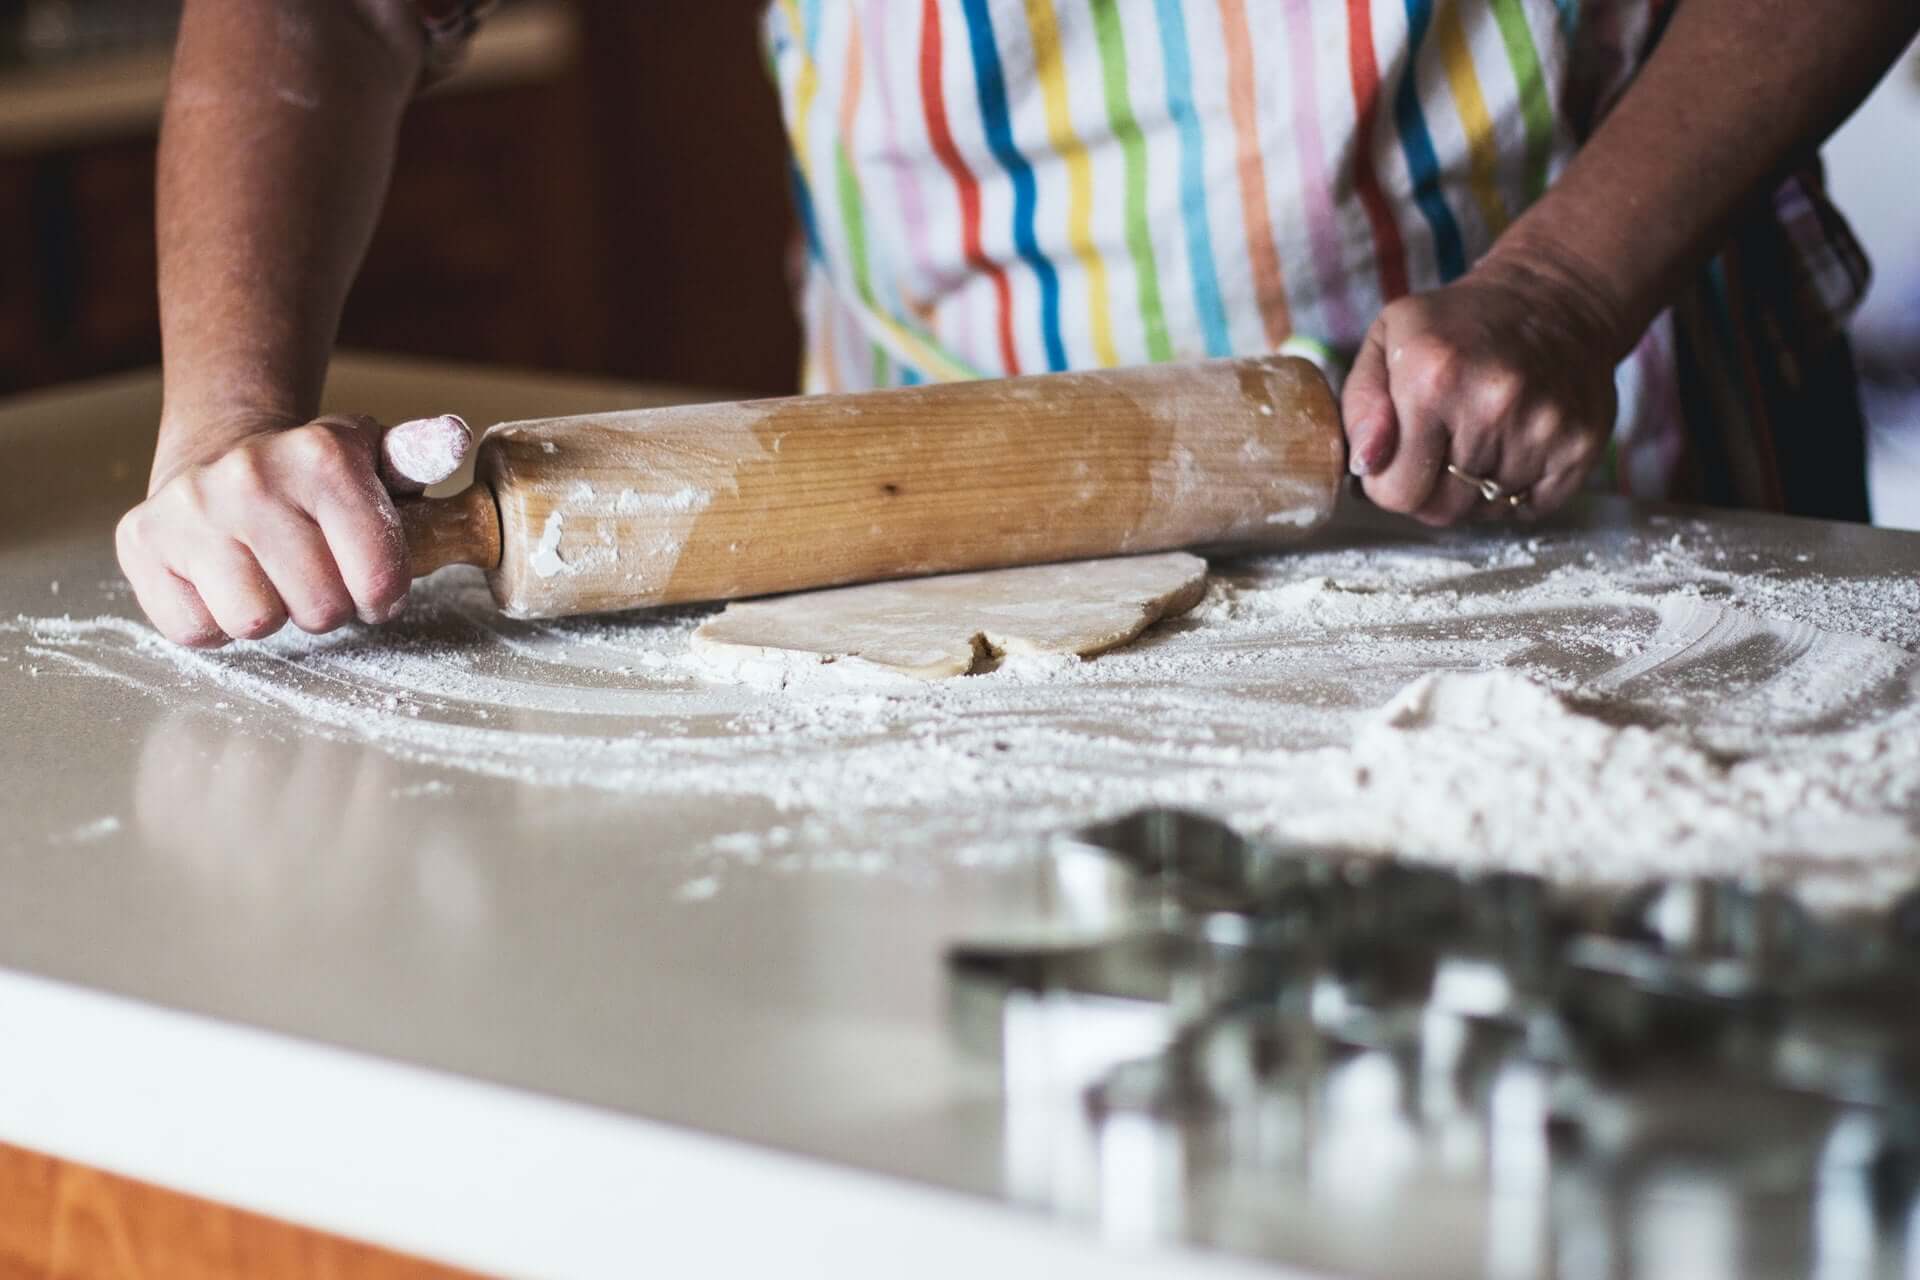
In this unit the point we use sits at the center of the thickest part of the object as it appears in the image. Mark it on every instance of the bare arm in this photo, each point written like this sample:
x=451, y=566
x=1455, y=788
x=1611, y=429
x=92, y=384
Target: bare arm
x=275, y=154
x=274, y=159
x=1509, y=371
x=1738, y=94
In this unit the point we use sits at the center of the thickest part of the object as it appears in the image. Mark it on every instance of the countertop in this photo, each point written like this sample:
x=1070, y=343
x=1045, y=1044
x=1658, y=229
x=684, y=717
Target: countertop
x=476, y=1018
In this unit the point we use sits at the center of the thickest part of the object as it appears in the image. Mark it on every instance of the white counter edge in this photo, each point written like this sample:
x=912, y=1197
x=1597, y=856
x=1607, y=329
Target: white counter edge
x=475, y=1174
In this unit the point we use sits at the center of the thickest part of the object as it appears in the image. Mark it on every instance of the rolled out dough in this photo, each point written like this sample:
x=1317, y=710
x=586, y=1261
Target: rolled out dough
x=958, y=623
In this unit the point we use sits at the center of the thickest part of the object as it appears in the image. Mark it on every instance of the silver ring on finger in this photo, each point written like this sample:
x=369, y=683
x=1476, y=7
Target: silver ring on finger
x=1490, y=489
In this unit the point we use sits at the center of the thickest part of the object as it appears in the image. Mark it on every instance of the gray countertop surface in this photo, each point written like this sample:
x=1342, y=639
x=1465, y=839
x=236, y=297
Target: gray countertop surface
x=510, y=932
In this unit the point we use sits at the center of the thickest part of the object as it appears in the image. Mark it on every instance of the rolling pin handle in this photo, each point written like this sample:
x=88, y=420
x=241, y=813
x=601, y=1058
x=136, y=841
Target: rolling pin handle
x=463, y=529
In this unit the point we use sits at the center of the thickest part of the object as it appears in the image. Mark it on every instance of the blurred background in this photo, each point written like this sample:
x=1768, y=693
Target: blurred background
x=603, y=190
x=1871, y=164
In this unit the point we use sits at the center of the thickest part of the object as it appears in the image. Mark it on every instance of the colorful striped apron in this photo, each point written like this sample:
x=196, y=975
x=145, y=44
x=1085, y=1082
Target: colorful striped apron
x=1012, y=186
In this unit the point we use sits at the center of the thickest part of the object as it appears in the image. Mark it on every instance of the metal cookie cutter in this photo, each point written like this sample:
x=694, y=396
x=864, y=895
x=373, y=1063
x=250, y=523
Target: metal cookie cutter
x=1204, y=1017
x=1175, y=869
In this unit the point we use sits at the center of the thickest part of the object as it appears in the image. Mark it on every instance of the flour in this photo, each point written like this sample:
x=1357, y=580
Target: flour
x=686, y=498
x=1662, y=706
x=423, y=452
x=1490, y=761
x=546, y=560
x=1299, y=518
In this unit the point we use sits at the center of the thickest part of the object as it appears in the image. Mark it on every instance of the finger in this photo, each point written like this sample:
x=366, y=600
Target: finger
x=1552, y=492
x=1487, y=447
x=1366, y=407
x=1524, y=465
x=1459, y=497
x=363, y=533
x=234, y=590
x=1558, y=453
x=175, y=608
x=1487, y=412
x=1573, y=462
x=1409, y=480
x=357, y=517
x=293, y=553
x=170, y=604
x=423, y=452
x=1424, y=379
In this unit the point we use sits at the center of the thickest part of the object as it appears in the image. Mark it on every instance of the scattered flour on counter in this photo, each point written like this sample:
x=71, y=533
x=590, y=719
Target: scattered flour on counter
x=1491, y=761
x=1596, y=715
x=699, y=890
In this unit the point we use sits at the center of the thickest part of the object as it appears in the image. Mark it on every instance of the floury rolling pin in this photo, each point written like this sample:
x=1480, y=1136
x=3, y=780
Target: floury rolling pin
x=720, y=501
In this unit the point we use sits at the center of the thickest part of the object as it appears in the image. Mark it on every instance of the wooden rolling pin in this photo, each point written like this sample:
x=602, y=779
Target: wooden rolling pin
x=719, y=501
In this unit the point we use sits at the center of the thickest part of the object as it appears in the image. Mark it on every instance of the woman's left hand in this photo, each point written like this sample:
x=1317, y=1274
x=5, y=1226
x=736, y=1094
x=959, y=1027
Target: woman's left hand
x=1506, y=375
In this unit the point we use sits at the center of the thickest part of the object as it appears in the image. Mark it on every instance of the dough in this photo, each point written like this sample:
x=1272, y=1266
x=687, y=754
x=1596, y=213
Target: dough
x=961, y=622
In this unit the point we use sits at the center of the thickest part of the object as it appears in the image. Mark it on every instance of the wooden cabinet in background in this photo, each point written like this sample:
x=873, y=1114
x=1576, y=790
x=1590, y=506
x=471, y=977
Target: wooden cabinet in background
x=19, y=286
x=87, y=304
x=488, y=245
x=694, y=178
x=604, y=192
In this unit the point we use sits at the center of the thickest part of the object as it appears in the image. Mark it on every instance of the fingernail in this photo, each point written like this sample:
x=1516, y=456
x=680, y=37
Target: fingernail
x=399, y=607
x=1358, y=464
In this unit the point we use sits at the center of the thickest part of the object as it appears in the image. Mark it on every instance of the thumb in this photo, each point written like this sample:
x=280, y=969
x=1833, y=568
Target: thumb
x=423, y=451
x=1366, y=405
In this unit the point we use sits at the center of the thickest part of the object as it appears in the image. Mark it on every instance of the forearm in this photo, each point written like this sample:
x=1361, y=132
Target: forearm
x=1737, y=92
x=274, y=159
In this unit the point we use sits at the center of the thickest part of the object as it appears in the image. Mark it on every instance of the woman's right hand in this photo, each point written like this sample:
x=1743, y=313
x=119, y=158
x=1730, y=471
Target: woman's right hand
x=287, y=522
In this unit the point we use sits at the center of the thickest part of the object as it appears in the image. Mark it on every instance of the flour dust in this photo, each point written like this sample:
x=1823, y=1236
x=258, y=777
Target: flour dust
x=1598, y=716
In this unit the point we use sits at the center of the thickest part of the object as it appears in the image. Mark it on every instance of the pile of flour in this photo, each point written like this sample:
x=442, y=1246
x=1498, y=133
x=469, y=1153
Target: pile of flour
x=1656, y=708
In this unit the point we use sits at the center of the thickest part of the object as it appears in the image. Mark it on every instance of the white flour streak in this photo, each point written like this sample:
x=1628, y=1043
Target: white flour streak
x=1300, y=518
x=1600, y=717
x=545, y=559
x=684, y=499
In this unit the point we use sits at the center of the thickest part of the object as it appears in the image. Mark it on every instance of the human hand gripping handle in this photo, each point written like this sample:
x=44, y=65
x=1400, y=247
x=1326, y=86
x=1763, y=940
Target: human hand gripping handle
x=1507, y=374
x=1504, y=376
x=288, y=523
